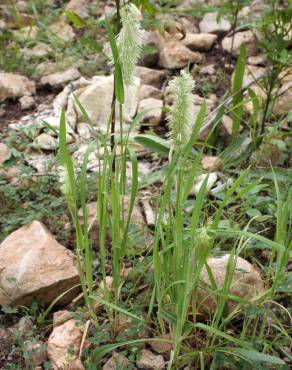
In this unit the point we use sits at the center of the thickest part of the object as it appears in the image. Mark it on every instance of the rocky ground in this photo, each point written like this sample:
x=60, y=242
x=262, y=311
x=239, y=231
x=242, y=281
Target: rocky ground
x=47, y=60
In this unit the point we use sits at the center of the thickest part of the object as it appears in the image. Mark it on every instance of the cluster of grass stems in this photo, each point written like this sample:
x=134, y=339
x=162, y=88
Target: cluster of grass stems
x=181, y=241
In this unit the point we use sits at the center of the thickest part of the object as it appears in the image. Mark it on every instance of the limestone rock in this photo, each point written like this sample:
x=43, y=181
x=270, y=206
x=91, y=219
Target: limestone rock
x=96, y=98
x=189, y=24
x=240, y=38
x=150, y=76
x=78, y=7
x=60, y=78
x=64, y=340
x=13, y=174
x=27, y=102
x=62, y=31
x=200, y=41
x=286, y=75
x=4, y=153
x=38, y=51
x=27, y=33
x=210, y=24
x=153, y=116
x=211, y=163
x=161, y=346
x=256, y=60
x=3, y=24
x=21, y=6
x=209, y=69
x=46, y=142
x=23, y=329
x=174, y=54
x=117, y=361
x=227, y=126
x=84, y=130
x=251, y=74
x=246, y=282
x=200, y=180
x=34, y=264
x=15, y=86
x=60, y=317
x=283, y=104
x=46, y=68
x=151, y=40
x=148, y=91
x=36, y=353
x=149, y=360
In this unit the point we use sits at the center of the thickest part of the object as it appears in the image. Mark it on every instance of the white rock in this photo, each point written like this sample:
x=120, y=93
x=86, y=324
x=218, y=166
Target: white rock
x=150, y=40
x=60, y=78
x=36, y=353
x=241, y=148
x=27, y=33
x=54, y=122
x=147, y=91
x=246, y=282
x=96, y=99
x=43, y=163
x=149, y=360
x=227, y=126
x=21, y=6
x=211, y=163
x=174, y=54
x=200, y=41
x=221, y=186
x=13, y=174
x=188, y=25
x=46, y=142
x=24, y=327
x=78, y=7
x=251, y=74
x=240, y=38
x=27, y=102
x=150, y=76
x=4, y=153
x=60, y=317
x=283, y=104
x=286, y=75
x=46, y=68
x=255, y=60
x=38, y=51
x=209, y=24
x=3, y=24
x=34, y=265
x=162, y=346
x=117, y=361
x=84, y=130
x=148, y=212
x=62, y=31
x=15, y=86
x=208, y=70
x=64, y=338
x=152, y=117
x=200, y=180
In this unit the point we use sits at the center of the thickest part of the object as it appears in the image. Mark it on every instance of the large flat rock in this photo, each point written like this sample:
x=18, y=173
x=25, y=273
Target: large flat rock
x=34, y=265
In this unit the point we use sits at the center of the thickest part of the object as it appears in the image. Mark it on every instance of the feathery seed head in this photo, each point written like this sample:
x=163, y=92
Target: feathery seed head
x=129, y=41
x=181, y=117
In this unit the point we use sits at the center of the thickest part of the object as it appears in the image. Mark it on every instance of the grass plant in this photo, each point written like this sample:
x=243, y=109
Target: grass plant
x=188, y=229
